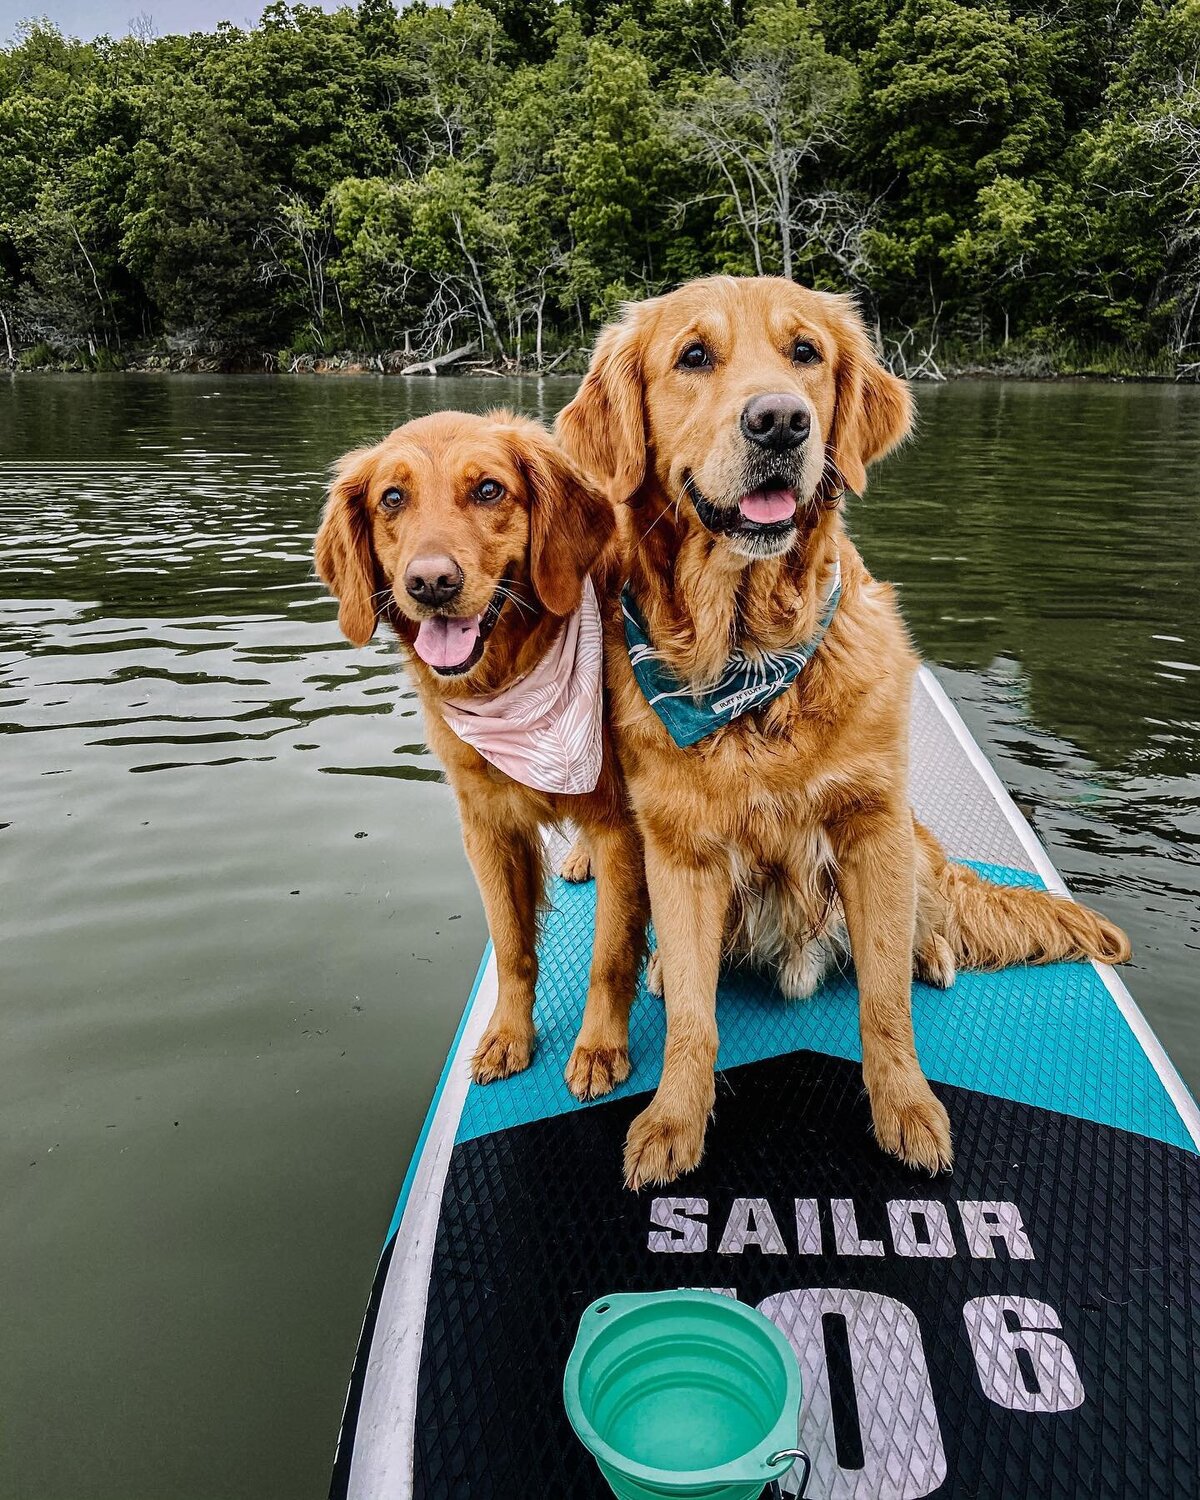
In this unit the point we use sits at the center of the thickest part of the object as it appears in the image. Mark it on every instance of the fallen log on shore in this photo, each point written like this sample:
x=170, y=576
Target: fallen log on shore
x=440, y=362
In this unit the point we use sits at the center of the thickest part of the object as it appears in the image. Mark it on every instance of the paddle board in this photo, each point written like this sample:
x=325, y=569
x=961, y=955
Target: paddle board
x=1024, y=1327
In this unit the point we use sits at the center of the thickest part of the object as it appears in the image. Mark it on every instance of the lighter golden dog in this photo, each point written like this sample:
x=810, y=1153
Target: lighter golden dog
x=731, y=415
x=472, y=536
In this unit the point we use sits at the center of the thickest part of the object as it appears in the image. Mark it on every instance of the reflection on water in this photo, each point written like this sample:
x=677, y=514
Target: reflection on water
x=238, y=927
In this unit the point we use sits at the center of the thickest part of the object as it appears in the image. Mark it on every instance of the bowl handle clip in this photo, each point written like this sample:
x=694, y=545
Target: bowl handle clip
x=795, y=1455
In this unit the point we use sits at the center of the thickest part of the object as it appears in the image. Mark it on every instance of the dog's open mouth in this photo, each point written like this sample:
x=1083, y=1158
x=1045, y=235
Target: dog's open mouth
x=768, y=512
x=452, y=644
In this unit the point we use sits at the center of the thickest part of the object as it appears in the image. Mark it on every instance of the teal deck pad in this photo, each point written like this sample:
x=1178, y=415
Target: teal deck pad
x=1050, y=1036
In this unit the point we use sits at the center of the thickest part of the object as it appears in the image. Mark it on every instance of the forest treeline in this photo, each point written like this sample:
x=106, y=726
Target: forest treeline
x=1013, y=183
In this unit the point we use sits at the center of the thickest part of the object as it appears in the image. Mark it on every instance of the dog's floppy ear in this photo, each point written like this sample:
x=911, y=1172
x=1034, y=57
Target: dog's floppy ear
x=342, y=549
x=569, y=523
x=604, y=427
x=874, y=408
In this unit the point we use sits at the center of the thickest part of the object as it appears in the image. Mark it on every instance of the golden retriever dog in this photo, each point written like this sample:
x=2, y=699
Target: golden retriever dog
x=731, y=416
x=474, y=538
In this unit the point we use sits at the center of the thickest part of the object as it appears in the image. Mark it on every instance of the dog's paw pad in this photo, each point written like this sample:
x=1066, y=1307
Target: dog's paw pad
x=658, y=1149
x=592, y=1071
x=500, y=1054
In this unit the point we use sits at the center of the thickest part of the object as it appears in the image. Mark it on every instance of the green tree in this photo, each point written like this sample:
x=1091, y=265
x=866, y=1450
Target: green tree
x=768, y=133
x=192, y=215
x=955, y=95
x=619, y=154
x=372, y=221
x=1139, y=197
x=449, y=75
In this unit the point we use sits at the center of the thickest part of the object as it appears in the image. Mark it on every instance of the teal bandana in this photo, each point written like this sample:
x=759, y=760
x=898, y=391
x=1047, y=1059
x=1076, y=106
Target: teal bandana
x=746, y=682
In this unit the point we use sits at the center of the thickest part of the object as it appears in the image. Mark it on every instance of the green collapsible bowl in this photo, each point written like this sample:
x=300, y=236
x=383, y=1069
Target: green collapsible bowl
x=683, y=1394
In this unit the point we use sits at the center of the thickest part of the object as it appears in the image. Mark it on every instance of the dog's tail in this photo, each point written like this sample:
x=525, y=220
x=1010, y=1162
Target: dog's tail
x=990, y=926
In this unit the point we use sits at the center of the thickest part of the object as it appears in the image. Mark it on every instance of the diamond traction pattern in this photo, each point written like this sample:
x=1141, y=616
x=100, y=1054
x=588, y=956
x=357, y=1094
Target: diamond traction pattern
x=536, y=1224
x=951, y=798
x=1049, y=1036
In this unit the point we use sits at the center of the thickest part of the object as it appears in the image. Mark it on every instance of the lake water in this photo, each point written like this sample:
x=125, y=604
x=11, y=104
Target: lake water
x=237, y=927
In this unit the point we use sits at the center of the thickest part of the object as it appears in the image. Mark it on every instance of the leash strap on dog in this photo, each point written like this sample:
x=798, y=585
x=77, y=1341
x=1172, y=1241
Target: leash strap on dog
x=747, y=682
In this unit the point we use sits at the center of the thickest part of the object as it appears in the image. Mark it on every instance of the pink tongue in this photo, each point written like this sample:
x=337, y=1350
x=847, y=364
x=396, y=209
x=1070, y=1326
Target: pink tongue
x=767, y=506
x=442, y=643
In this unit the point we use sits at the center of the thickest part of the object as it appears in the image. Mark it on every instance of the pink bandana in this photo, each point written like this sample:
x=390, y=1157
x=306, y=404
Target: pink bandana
x=544, y=731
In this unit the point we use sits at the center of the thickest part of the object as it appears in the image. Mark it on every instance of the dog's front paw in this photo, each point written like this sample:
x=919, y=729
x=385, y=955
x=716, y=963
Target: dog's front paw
x=933, y=962
x=577, y=867
x=910, y=1120
x=592, y=1071
x=660, y=1147
x=501, y=1053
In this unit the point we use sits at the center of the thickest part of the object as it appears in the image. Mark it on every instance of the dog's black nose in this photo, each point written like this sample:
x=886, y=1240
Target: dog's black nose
x=433, y=580
x=777, y=421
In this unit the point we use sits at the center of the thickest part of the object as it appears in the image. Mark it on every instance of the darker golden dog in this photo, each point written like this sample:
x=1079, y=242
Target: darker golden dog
x=472, y=536
x=731, y=415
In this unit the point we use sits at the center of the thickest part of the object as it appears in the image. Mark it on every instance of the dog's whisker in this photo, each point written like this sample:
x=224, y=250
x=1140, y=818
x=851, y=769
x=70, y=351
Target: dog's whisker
x=673, y=508
x=507, y=591
x=660, y=515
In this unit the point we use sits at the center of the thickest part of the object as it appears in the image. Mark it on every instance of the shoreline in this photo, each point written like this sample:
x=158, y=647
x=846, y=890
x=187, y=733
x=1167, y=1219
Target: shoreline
x=571, y=364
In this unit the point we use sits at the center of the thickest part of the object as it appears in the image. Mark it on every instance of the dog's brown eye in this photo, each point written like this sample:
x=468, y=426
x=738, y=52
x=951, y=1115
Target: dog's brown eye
x=804, y=353
x=488, y=491
x=695, y=357
x=392, y=498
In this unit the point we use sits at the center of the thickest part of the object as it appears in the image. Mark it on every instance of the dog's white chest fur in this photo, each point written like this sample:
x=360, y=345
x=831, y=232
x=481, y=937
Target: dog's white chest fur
x=788, y=918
